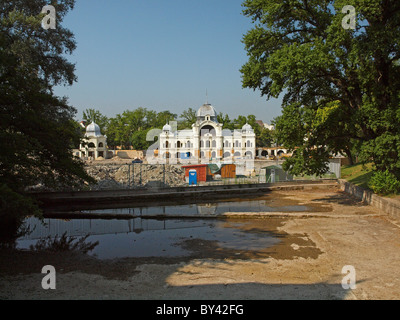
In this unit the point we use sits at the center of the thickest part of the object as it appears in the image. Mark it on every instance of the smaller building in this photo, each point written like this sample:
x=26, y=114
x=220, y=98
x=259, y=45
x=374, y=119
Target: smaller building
x=93, y=145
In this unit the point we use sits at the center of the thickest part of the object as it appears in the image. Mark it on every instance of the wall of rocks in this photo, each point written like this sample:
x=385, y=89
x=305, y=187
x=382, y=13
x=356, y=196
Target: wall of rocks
x=121, y=176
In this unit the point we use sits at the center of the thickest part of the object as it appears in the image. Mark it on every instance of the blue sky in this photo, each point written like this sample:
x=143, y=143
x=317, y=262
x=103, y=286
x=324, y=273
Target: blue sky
x=162, y=55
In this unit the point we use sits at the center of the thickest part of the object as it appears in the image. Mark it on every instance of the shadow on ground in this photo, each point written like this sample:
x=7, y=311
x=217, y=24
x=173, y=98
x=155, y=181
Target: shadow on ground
x=342, y=198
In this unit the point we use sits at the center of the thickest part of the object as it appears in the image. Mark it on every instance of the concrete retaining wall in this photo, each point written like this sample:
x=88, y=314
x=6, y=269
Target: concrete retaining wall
x=162, y=195
x=389, y=206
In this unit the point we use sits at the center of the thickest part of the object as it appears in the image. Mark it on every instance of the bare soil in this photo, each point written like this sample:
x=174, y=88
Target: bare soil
x=306, y=264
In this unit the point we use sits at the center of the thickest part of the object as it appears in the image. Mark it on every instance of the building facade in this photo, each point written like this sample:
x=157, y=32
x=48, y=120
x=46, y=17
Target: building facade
x=206, y=141
x=93, y=145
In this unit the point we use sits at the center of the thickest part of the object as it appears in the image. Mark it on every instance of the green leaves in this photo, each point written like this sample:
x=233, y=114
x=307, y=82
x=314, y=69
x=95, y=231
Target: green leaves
x=340, y=87
x=37, y=131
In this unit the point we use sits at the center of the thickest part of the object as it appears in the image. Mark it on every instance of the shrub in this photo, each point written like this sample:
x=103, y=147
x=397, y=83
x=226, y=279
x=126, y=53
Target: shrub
x=384, y=183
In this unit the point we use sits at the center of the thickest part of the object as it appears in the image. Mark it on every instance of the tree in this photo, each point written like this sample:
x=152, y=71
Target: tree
x=340, y=86
x=37, y=131
x=163, y=118
x=225, y=121
x=92, y=115
x=129, y=129
x=188, y=117
x=265, y=138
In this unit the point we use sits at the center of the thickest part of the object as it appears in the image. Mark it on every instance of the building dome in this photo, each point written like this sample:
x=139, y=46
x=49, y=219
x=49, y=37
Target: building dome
x=93, y=130
x=247, y=127
x=207, y=110
x=167, y=127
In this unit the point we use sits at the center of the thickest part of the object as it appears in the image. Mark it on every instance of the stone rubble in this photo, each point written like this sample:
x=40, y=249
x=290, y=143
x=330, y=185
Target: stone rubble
x=119, y=176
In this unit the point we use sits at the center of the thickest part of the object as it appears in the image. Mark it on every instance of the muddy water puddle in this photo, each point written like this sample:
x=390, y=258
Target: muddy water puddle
x=255, y=205
x=197, y=238
x=187, y=230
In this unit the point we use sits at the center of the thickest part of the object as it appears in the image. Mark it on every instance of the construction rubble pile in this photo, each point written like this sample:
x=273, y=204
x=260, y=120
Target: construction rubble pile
x=135, y=175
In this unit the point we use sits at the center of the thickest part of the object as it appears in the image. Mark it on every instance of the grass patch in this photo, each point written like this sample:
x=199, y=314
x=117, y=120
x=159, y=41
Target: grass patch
x=358, y=174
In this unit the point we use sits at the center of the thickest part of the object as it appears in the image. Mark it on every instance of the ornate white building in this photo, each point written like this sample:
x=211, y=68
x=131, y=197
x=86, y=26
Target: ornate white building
x=93, y=145
x=206, y=142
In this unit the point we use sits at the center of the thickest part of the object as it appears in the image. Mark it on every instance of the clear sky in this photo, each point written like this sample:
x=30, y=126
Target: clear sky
x=162, y=55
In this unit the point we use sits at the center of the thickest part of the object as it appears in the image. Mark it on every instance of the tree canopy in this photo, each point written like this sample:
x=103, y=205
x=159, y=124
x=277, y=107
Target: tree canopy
x=32, y=118
x=340, y=86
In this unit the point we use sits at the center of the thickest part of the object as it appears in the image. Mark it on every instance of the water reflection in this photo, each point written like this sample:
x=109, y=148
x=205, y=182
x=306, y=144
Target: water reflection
x=146, y=234
x=147, y=237
x=206, y=209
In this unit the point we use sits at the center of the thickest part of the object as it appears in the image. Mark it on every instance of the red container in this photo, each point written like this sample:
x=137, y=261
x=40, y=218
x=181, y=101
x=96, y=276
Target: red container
x=201, y=171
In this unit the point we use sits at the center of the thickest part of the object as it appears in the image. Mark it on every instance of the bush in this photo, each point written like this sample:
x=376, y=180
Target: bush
x=14, y=207
x=384, y=183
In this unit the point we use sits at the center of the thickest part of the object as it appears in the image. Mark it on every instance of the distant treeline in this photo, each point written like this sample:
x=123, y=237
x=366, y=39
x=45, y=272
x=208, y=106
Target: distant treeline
x=130, y=128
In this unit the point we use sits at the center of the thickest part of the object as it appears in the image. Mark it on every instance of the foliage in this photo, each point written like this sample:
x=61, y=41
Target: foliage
x=188, y=117
x=13, y=208
x=358, y=174
x=32, y=118
x=384, y=183
x=92, y=115
x=266, y=138
x=64, y=243
x=130, y=128
x=340, y=87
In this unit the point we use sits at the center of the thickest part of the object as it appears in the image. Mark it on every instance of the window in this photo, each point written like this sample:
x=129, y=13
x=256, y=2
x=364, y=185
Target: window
x=101, y=145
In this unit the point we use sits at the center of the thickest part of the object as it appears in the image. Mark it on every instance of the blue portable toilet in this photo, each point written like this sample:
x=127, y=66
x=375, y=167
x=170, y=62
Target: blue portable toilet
x=192, y=177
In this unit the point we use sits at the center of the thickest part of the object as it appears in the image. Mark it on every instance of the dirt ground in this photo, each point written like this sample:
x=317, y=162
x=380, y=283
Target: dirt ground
x=306, y=263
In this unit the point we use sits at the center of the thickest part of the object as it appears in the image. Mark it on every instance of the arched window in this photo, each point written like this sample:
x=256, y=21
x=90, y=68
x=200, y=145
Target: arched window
x=237, y=154
x=214, y=144
x=213, y=154
x=179, y=144
x=236, y=143
x=227, y=155
x=166, y=144
x=248, y=154
x=188, y=144
x=101, y=145
x=91, y=145
x=264, y=153
x=207, y=144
